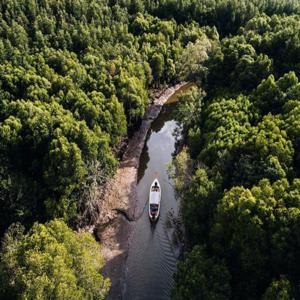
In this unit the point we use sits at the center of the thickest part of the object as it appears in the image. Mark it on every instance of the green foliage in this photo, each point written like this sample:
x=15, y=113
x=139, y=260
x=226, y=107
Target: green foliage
x=242, y=204
x=189, y=107
x=51, y=262
x=266, y=152
x=226, y=15
x=255, y=231
x=198, y=205
x=192, y=61
x=157, y=64
x=236, y=64
x=74, y=79
x=271, y=95
x=57, y=149
x=201, y=277
x=226, y=124
x=179, y=170
x=250, y=223
x=278, y=37
x=278, y=290
x=291, y=120
x=292, y=126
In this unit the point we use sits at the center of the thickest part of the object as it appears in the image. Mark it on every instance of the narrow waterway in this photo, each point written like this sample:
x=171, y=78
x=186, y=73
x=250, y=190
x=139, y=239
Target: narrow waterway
x=153, y=253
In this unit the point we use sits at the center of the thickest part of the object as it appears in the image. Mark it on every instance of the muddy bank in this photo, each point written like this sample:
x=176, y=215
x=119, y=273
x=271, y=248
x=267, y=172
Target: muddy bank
x=118, y=204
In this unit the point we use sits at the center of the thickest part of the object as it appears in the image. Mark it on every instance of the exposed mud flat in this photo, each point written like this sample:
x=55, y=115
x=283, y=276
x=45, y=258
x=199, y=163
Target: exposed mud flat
x=119, y=202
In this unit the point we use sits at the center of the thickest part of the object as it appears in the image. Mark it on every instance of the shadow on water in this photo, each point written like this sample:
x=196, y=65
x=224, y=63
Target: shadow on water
x=144, y=159
x=153, y=252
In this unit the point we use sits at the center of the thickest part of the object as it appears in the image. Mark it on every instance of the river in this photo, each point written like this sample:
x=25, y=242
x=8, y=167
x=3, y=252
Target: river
x=152, y=253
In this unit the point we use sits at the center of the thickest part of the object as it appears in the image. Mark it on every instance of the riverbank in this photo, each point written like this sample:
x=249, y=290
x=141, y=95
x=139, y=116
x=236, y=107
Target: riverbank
x=113, y=228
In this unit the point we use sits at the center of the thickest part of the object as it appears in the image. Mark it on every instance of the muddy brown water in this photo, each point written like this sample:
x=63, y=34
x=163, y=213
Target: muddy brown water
x=152, y=253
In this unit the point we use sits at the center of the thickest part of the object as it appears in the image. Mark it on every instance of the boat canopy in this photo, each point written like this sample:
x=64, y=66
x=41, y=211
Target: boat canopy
x=154, y=198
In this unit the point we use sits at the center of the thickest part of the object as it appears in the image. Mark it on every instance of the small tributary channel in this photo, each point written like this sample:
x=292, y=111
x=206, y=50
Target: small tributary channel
x=153, y=254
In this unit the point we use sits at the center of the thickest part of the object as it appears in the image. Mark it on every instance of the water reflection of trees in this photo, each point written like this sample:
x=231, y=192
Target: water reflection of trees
x=166, y=114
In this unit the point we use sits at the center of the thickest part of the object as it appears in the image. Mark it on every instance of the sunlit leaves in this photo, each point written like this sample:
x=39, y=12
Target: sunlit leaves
x=271, y=95
x=278, y=290
x=191, y=64
x=227, y=122
x=51, y=262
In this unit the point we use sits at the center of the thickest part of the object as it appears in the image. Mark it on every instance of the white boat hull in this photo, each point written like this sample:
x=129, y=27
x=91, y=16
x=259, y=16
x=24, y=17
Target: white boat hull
x=154, y=200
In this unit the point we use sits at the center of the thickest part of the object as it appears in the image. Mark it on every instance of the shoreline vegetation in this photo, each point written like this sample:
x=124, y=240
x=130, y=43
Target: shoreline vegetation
x=117, y=204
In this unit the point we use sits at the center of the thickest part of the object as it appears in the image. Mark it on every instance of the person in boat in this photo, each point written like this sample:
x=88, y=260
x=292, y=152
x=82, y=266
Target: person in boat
x=155, y=188
x=153, y=209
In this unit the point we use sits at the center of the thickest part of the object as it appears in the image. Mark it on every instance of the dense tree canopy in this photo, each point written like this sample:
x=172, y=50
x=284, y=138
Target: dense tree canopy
x=201, y=277
x=253, y=222
x=75, y=77
x=50, y=262
x=74, y=81
x=226, y=15
x=241, y=206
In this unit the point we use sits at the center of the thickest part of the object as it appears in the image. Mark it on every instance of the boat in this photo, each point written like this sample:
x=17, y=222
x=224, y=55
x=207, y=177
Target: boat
x=154, y=200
